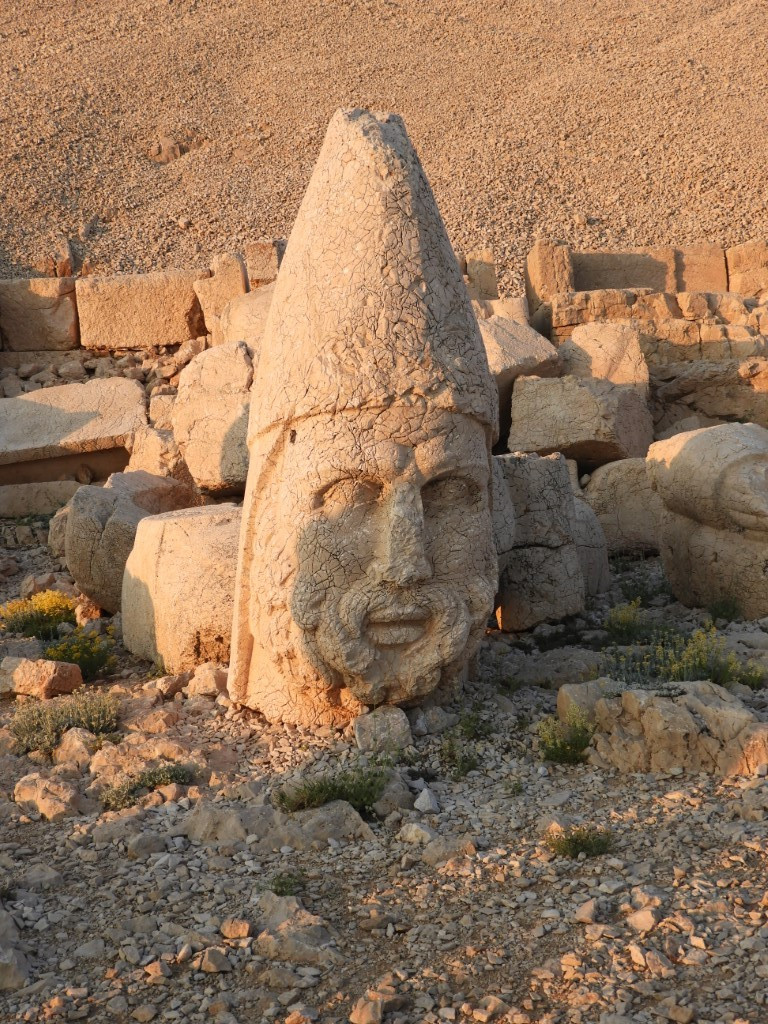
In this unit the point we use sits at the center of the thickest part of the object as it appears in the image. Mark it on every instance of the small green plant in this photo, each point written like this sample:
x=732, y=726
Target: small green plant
x=457, y=757
x=92, y=653
x=727, y=608
x=514, y=787
x=39, y=615
x=286, y=883
x=359, y=786
x=565, y=742
x=473, y=727
x=592, y=842
x=115, y=798
x=39, y=725
x=628, y=623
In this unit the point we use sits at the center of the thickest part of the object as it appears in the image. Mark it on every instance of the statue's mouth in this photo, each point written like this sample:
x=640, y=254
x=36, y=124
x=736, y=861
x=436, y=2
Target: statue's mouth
x=397, y=626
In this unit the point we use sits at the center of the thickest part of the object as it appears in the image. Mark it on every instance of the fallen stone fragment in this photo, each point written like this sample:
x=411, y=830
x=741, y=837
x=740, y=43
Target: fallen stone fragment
x=53, y=798
x=288, y=932
x=38, y=314
x=42, y=679
x=77, y=746
x=14, y=969
x=208, y=680
x=214, y=961
x=385, y=729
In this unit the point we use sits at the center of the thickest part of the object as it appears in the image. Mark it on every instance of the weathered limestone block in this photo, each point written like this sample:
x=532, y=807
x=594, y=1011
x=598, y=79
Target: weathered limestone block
x=700, y=268
x=101, y=527
x=57, y=530
x=572, y=308
x=726, y=390
x=748, y=267
x=53, y=798
x=590, y=542
x=160, y=410
x=38, y=314
x=714, y=533
x=179, y=585
x=514, y=349
x=263, y=258
x=366, y=568
x=591, y=421
x=227, y=281
x=540, y=572
x=156, y=452
x=694, y=726
x=481, y=274
x=548, y=272
x=210, y=417
x=606, y=351
x=245, y=318
x=38, y=678
x=139, y=311
x=628, y=508
x=35, y=498
x=635, y=268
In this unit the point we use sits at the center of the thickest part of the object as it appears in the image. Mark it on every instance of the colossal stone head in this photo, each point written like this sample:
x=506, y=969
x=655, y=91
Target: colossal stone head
x=366, y=569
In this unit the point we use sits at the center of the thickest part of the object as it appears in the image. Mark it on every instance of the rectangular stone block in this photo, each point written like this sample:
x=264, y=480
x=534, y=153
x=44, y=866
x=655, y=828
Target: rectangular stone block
x=748, y=267
x=38, y=313
x=635, y=268
x=263, y=258
x=35, y=498
x=700, y=268
x=548, y=272
x=139, y=311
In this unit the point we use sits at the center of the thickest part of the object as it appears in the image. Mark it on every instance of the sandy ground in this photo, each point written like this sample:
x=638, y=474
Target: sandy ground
x=598, y=122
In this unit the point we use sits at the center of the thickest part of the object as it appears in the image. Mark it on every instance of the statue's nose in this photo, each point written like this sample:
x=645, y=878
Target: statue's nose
x=402, y=553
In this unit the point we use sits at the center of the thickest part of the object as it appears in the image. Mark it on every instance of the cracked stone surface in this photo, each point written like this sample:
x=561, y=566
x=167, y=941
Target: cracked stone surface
x=367, y=567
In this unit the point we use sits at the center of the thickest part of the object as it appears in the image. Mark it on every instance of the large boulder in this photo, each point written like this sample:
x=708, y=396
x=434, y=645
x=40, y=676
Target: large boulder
x=139, y=311
x=606, y=351
x=540, y=572
x=101, y=527
x=179, y=587
x=38, y=314
x=210, y=417
x=53, y=433
x=629, y=510
x=591, y=421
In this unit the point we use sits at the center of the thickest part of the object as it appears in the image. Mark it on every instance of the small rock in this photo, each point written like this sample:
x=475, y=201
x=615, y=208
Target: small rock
x=385, y=729
x=213, y=961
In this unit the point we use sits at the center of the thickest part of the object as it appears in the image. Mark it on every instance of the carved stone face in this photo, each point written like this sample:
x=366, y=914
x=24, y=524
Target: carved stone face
x=385, y=530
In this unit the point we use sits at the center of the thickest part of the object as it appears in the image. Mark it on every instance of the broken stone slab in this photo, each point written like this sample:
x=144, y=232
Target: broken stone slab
x=41, y=679
x=286, y=931
x=263, y=258
x=629, y=510
x=226, y=281
x=53, y=798
x=693, y=726
x=171, y=555
x=732, y=389
x=748, y=267
x=244, y=318
x=101, y=528
x=155, y=451
x=55, y=432
x=632, y=268
x=139, y=311
x=606, y=351
x=701, y=268
x=591, y=421
x=38, y=314
x=41, y=498
x=548, y=272
x=210, y=417
x=482, y=281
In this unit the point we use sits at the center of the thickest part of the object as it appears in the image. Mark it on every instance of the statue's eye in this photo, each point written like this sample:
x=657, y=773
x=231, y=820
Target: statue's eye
x=348, y=493
x=448, y=492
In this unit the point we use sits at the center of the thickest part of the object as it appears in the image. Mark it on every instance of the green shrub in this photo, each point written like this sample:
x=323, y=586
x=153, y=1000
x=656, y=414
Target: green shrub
x=39, y=615
x=92, y=653
x=286, y=883
x=727, y=608
x=565, y=742
x=628, y=623
x=593, y=842
x=39, y=725
x=359, y=786
x=115, y=798
x=473, y=727
x=457, y=757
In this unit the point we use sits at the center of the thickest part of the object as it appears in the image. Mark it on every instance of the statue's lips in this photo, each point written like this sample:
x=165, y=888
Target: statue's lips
x=395, y=627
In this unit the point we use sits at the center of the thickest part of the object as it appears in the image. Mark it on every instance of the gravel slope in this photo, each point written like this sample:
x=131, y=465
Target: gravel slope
x=603, y=123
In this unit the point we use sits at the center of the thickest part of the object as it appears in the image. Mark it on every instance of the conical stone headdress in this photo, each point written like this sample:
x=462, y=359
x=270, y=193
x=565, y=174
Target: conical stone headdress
x=370, y=307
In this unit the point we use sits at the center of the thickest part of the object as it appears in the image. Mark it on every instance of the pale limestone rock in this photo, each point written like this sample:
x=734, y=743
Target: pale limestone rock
x=245, y=318
x=227, y=281
x=41, y=498
x=701, y=268
x=101, y=527
x=208, y=680
x=591, y=421
x=161, y=411
x=207, y=824
x=748, y=267
x=384, y=729
x=178, y=587
x=14, y=969
x=633, y=268
x=155, y=451
x=139, y=311
x=41, y=679
x=590, y=542
x=54, y=798
x=38, y=314
x=481, y=274
x=725, y=390
x=57, y=531
x=628, y=508
x=366, y=569
x=210, y=417
x=286, y=931
x=263, y=258
x=540, y=573
x=77, y=746
x=73, y=419
x=606, y=351
x=714, y=539
x=115, y=763
x=548, y=272
x=694, y=726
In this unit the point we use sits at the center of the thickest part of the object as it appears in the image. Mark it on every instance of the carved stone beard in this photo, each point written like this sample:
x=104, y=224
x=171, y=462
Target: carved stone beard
x=424, y=634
